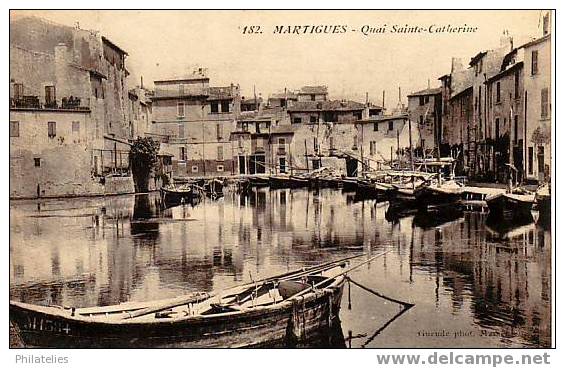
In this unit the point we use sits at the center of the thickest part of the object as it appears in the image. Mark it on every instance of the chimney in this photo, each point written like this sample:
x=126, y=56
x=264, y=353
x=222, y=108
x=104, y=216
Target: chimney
x=142, y=82
x=456, y=65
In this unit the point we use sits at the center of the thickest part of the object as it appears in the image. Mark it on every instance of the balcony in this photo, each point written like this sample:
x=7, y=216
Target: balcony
x=34, y=103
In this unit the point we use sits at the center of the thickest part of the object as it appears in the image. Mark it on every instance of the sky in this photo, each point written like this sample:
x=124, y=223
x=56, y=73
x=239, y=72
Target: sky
x=162, y=44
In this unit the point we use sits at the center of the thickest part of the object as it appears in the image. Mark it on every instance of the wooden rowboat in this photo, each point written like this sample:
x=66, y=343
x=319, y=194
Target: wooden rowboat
x=175, y=196
x=283, y=308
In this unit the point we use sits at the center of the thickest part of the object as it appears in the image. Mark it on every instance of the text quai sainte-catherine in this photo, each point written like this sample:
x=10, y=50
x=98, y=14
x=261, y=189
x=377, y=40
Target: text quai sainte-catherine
x=364, y=29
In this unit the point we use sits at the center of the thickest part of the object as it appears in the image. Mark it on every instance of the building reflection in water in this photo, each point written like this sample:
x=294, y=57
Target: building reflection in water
x=102, y=251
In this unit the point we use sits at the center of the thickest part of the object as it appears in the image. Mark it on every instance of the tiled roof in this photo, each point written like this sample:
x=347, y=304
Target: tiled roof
x=426, y=92
x=314, y=90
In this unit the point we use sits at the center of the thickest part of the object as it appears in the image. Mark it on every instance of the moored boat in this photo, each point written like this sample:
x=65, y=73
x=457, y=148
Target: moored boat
x=447, y=193
x=179, y=195
x=510, y=206
x=259, y=181
x=286, y=307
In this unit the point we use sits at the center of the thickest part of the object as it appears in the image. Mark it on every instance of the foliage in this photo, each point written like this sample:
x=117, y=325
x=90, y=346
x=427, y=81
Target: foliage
x=143, y=159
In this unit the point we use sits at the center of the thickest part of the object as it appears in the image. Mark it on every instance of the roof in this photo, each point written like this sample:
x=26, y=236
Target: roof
x=381, y=118
x=537, y=40
x=332, y=105
x=309, y=90
x=114, y=46
x=426, y=92
x=477, y=57
x=282, y=95
x=470, y=88
x=511, y=68
x=183, y=78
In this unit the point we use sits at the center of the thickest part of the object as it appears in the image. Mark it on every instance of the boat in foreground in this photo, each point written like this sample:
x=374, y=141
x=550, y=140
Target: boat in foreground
x=447, y=193
x=283, y=308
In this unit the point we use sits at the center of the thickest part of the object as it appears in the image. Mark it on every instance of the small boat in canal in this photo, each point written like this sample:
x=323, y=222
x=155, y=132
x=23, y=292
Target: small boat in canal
x=511, y=205
x=448, y=192
x=350, y=184
x=178, y=195
x=286, y=307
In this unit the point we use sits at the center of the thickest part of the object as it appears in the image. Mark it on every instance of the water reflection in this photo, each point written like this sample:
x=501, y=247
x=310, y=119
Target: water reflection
x=464, y=272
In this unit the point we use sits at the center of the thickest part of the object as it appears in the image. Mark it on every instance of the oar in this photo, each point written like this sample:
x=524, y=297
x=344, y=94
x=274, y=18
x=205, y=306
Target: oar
x=339, y=274
x=199, y=297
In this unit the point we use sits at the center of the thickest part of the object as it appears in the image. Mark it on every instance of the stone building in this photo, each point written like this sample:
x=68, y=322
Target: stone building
x=335, y=111
x=312, y=93
x=68, y=112
x=504, y=131
x=425, y=112
x=194, y=122
x=537, y=105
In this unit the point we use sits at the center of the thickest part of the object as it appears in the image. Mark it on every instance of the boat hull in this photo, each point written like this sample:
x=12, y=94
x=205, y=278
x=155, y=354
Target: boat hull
x=288, y=322
x=430, y=196
x=171, y=197
x=508, y=207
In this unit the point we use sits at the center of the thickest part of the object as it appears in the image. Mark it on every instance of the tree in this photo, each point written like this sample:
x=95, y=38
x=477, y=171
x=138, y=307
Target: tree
x=143, y=159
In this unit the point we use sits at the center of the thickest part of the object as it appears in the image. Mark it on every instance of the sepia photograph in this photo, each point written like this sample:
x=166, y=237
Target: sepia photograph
x=281, y=179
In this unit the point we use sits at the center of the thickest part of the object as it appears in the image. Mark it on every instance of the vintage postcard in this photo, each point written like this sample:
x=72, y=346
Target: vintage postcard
x=263, y=178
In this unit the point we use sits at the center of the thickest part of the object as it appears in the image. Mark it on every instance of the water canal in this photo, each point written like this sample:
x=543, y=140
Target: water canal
x=474, y=282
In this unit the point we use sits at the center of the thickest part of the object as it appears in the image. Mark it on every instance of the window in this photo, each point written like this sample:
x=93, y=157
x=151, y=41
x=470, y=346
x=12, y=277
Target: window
x=421, y=120
x=297, y=121
x=426, y=99
x=220, y=168
x=390, y=125
x=51, y=129
x=182, y=154
x=220, y=153
x=240, y=142
x=214, y=108
x=50, y=96
x=422, y=100
x=313, y=119
x=18, y=91
x=194, y=168
x=282, y=144
x=358, y=115
x=219, y=131
x=354, y=142
x=332, y=143
x=181, y=130
x=546, y=24
x=181, y=89
x=316, y=144
x=497, y=128
x=530, y=160
x=372, y=148
x=517, y=85
x=497, y=92
x=534, y=62
x=37, y=162
x=14, y=128
x=180, y=109
x=376, y=127
x=282, y=165
x=313, y=97
x=515, y=129
x=544, y=103
x=225, y=106
x=76, y=127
